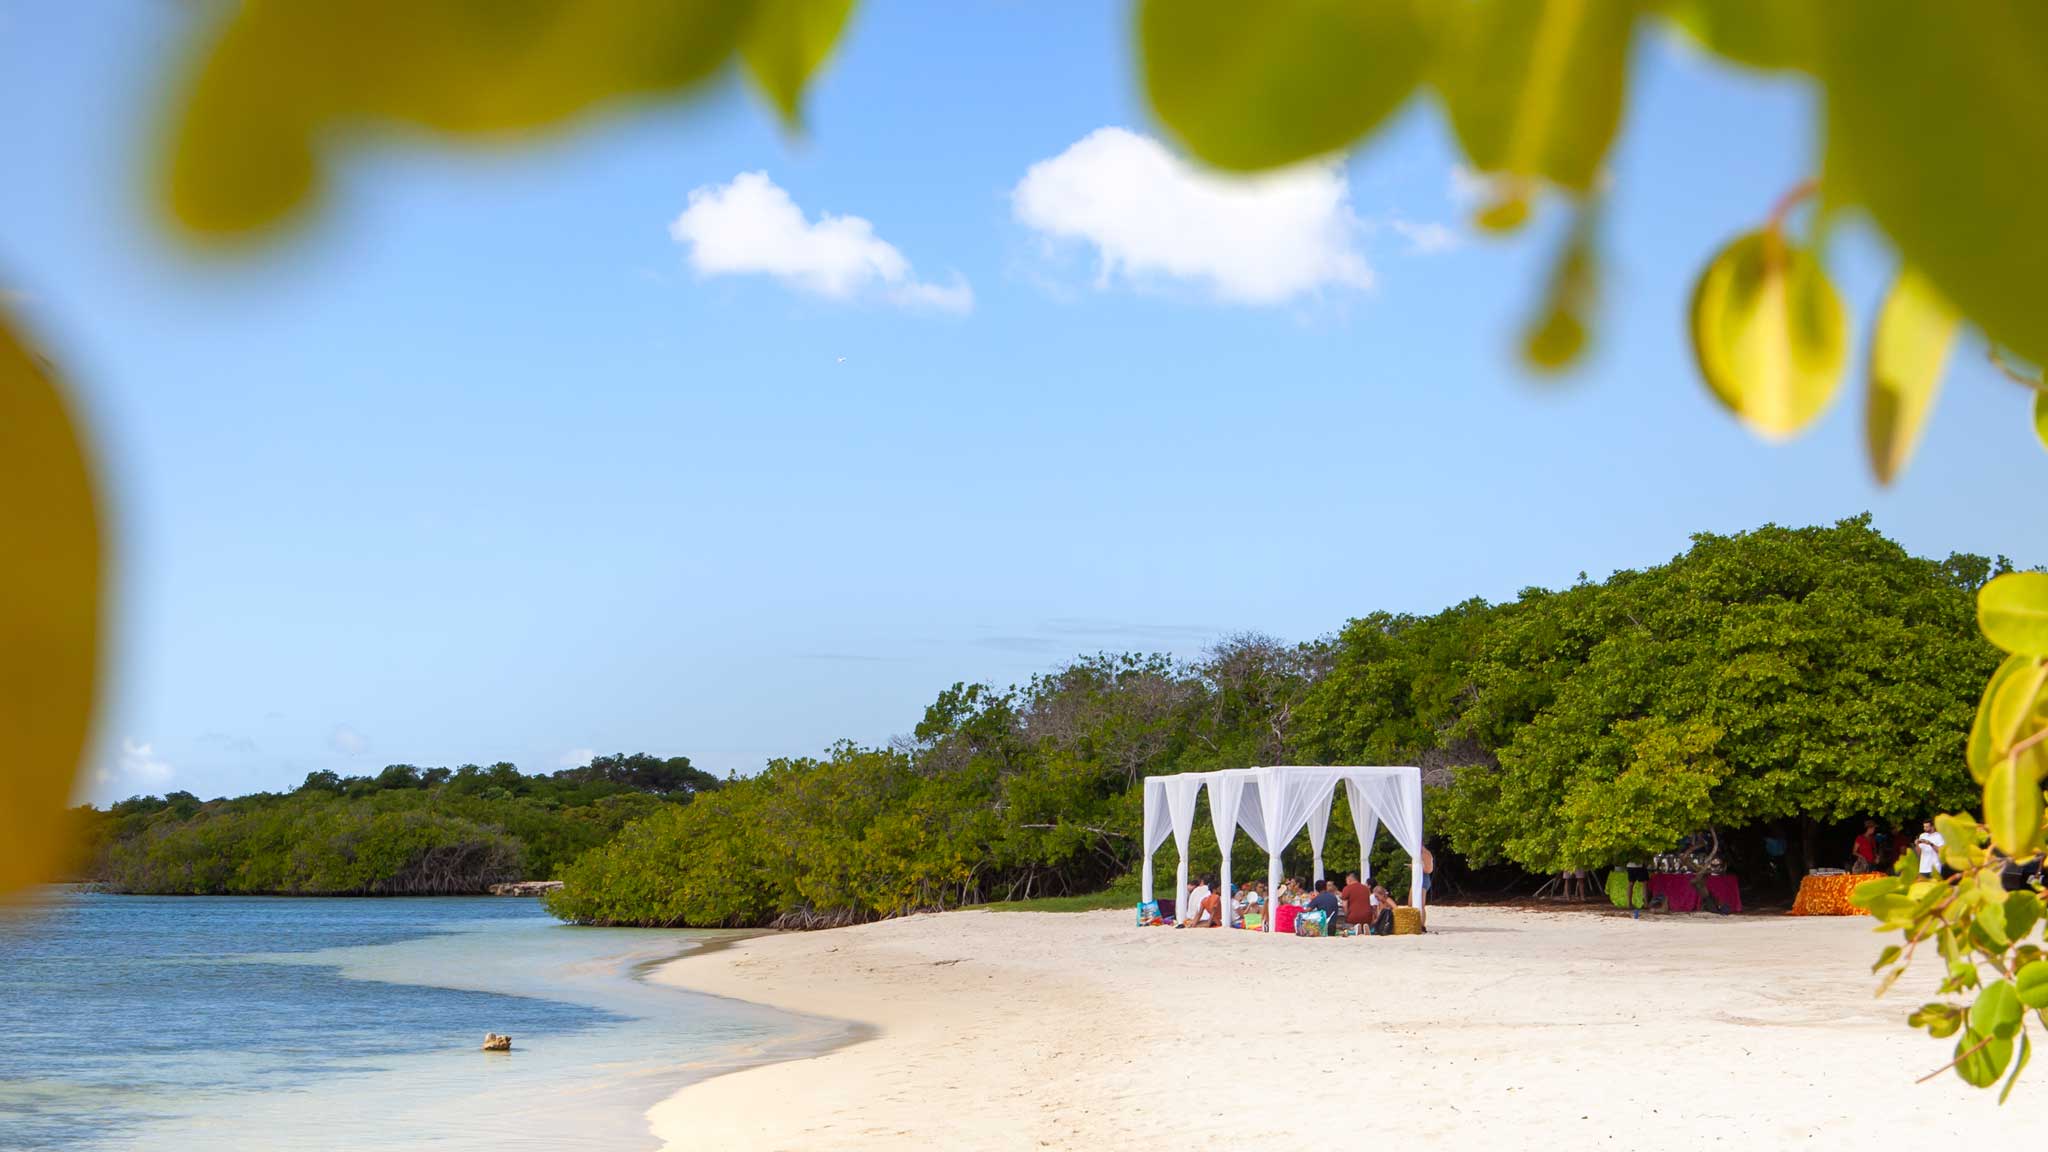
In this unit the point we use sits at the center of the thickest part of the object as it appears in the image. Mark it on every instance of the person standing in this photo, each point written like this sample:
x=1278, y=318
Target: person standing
x=1863, y=855
x=1930, y=845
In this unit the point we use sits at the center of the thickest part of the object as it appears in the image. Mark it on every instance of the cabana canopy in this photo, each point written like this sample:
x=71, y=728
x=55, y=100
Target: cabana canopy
x=1272, y=805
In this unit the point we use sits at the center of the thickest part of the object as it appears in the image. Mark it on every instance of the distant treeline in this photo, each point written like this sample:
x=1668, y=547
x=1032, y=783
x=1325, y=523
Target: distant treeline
x=405, y=831
x=1788, y=679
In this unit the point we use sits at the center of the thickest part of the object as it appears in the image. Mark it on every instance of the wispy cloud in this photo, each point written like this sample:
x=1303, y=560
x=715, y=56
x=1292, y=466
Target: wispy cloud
x=1427, y=237
x=576, y=757
x=347, y=741
x=752, y=227
x=1151, y=216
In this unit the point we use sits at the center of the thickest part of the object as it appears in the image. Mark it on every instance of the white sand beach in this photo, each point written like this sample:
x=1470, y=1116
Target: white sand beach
x=1500, y=1029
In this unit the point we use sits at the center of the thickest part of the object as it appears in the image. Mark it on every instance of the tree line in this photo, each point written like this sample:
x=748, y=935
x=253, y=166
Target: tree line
x=1783, y=679
x=405, y=831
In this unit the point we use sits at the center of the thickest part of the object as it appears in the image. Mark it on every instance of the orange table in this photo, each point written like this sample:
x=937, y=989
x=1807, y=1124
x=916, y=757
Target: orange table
x=1829, y=895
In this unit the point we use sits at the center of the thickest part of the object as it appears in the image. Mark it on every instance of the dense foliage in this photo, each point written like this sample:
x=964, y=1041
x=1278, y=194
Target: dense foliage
x=1804, y=675
x=405, y=831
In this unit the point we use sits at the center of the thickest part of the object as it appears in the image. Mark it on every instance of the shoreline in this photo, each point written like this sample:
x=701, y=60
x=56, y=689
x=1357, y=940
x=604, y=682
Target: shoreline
x=1515, y=1028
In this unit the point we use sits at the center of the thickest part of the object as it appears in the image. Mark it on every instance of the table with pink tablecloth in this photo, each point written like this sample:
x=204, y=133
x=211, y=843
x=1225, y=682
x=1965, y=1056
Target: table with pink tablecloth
x=1680, y=896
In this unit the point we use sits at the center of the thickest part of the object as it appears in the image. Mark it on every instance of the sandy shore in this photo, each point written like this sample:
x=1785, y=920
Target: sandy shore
x=1500, y=1029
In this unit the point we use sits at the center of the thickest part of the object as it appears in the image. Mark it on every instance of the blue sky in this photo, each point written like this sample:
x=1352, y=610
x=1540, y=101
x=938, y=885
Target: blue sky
x=495, y=461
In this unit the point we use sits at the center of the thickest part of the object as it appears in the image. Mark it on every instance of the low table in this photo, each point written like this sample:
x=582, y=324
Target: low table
x=1829, y=895
x=1680, y=896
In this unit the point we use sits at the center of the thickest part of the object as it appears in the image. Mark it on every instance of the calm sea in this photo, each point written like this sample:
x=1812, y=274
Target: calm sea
x=195, y=1023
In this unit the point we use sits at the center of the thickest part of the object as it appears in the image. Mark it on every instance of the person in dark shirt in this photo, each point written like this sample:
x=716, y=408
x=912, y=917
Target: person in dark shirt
x=1325, y=899
x=1383, y=911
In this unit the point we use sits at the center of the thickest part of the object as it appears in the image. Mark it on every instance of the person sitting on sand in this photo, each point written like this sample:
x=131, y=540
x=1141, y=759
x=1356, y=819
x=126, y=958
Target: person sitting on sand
x=1212, y=910
x=1191, y=909
x=1382, y=904
x=1358, y=902
x=1325, y=899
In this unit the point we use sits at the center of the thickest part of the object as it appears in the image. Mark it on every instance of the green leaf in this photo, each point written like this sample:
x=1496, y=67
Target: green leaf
x=2004, y=713
x=1535, y=88
x=1556, y=339
x=2022, y=912
x=49, y=614
x=1871, y=891
x=2012, y=807
x=282, y=81
x=1981, y=1068
x=2012, y=609
x=789, y=39
x=2018, y=1066
x=1890, y=954
x=1938, y=125
x=1988, y=927
x=1769, y=333
x=1908, y=350
x=2031, y=984
x=1258, y=86
x=2041, y=417
x=1767, y=34
x=1997, y=1011
x=1940, y=1020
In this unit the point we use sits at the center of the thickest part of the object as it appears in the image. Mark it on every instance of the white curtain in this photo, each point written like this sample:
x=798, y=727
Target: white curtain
x=1319, y=828
x=1367, y=824
x=1396, y=798
x=1286, y=798
x=1180, y=809
x=1157, y=828
x=1226, y=792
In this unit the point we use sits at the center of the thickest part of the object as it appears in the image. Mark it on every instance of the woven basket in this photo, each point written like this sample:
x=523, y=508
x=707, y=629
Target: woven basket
x=1407, y=922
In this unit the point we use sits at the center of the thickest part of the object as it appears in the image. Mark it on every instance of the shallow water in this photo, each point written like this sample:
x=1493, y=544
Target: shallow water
x=239, y=1023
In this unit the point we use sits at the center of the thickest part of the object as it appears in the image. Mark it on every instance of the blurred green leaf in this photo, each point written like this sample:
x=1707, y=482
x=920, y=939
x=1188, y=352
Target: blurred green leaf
x=1258, y=86
x=2031, y=984
x=1908, y=350
x=1940, y=1020
x=1989, y=927
x=2012, y=807
x=2012, y=609
x=1557, y=337
x=1986, y=1059
x=2022, y=912
x=49, y=614
x=1891, y=953
x=2041, y=418
x=2010, y=699
x=1535, y=88
x=789, y=39
x=280, y=82
x=1769, y=333
x=2018, y=1066
x=1937, y=123
x=1766, y=34
x=1996, y=1011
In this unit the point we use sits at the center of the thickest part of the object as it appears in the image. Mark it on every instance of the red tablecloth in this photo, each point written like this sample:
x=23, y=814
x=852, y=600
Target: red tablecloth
x=1283, y=917
x=1680, y=896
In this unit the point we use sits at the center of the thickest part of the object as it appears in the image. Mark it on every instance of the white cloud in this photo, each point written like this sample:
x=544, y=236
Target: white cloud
x=1148, y=214
x=139, y=764
x=347, y=741
x=752, y=227
x=1427, y=237
x=577, y=757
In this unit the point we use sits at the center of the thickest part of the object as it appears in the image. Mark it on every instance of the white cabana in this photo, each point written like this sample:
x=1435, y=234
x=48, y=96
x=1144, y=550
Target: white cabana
x=1273, y=805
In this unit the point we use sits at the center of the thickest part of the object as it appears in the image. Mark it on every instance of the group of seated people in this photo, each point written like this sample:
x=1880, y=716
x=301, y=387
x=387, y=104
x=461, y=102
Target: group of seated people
x=1366, y=909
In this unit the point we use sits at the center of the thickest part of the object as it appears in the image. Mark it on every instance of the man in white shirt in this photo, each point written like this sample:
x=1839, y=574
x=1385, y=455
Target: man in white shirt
x=1192, y=912
x=1929, y=844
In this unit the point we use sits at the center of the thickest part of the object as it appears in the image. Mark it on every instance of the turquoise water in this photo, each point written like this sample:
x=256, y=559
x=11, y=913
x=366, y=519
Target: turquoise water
x=189, y=1023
